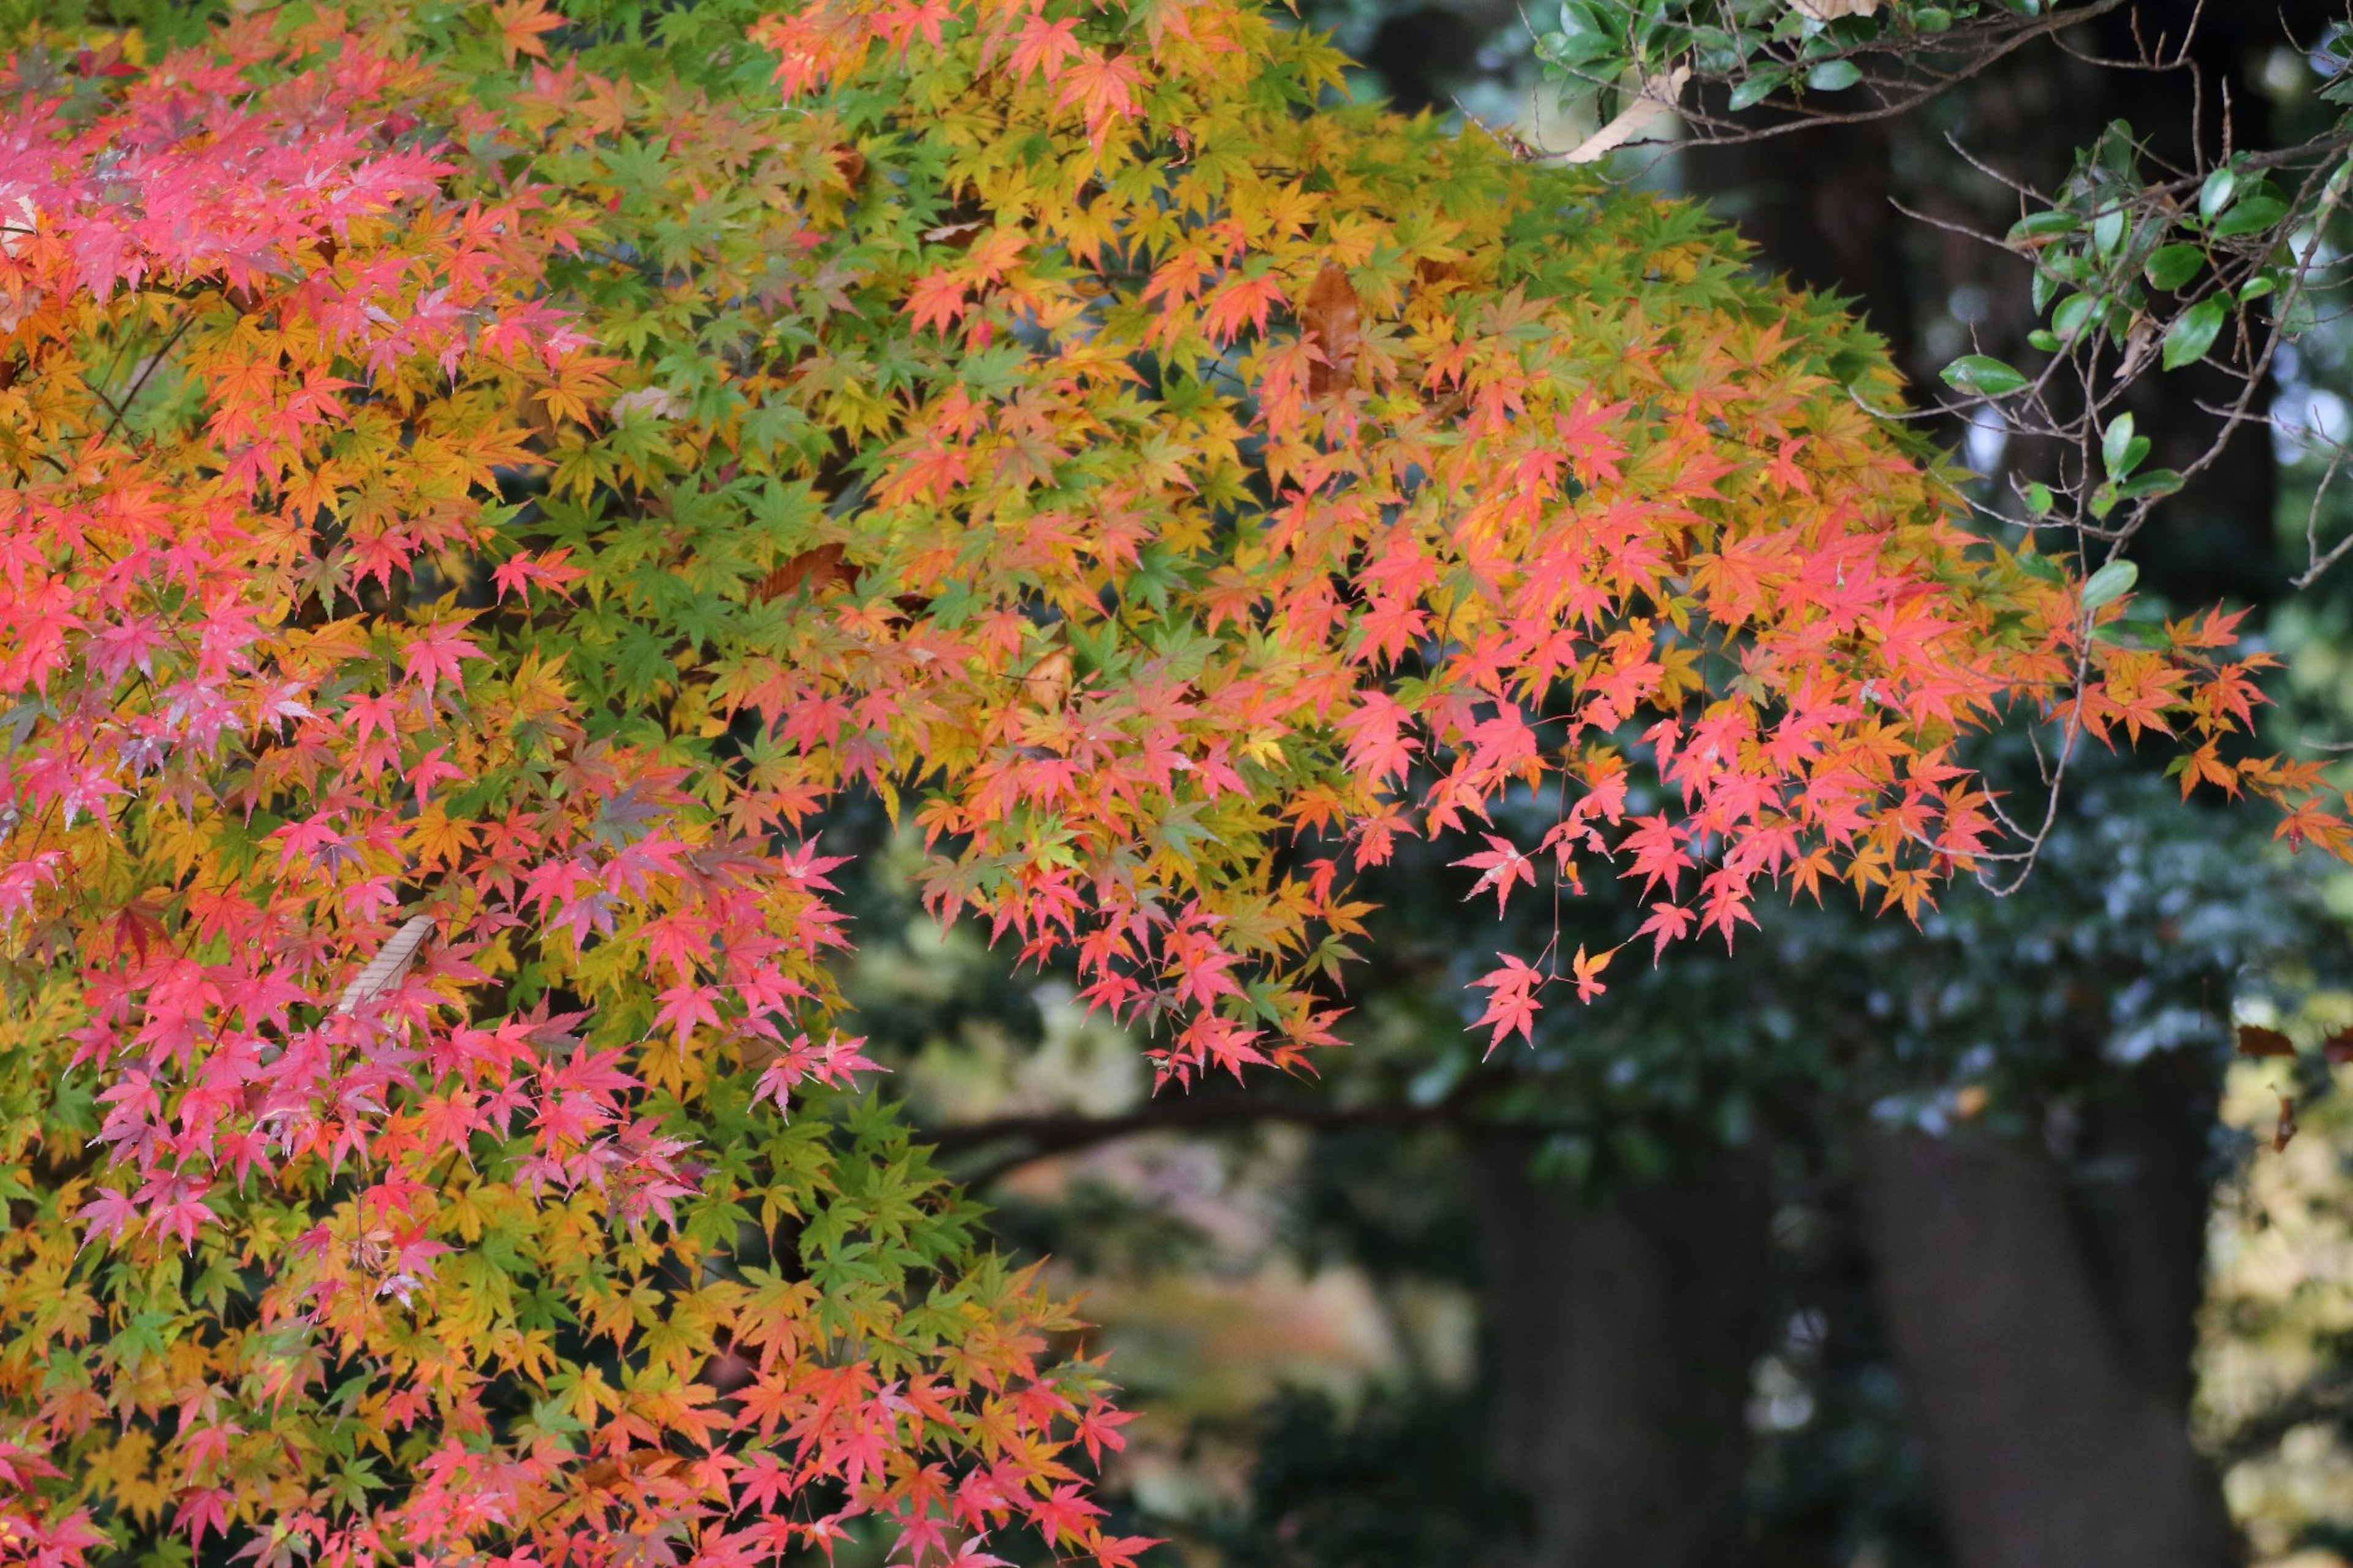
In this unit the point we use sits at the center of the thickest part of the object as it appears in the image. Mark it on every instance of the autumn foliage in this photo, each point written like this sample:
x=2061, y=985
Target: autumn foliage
x=482, y=480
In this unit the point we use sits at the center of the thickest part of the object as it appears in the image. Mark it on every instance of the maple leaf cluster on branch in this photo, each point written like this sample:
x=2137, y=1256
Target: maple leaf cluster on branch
x=482, y=480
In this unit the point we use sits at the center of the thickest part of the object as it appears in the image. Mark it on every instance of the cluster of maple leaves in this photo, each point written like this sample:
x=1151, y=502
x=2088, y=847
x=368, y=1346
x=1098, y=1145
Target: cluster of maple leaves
x=483, y=480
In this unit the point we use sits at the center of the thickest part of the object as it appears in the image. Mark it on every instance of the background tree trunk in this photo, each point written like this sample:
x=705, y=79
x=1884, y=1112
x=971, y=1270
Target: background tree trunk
x=2144, y=1189
x=1621, y=1339
x=2032, y=1397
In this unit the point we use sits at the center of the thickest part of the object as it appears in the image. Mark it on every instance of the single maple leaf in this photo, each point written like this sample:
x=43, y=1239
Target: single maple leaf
x=1587, y=973
x=1499, y=866
x=519, y=24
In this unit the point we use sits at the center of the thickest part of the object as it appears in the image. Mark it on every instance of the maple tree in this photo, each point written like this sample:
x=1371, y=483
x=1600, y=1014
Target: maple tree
x=483, y=480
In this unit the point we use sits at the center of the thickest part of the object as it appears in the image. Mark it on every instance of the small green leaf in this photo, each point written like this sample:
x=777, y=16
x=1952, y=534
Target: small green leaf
x=2173, y=265
x=2075, y=312
x=2043, y=337
x=2115, y=446
x=2117, y=152
x=2250, y=217
x=2255, y=287
x=2108, y=230
x=1933, y=19
x=2109, y=584
x=1593, y=54
x=2043, y=224
x=2038, y=500
x=2150, y=485
x=2216, y=193
x=1984, y=376
x=2193, y=332
x=1833, y=76
x=1717, y=53
x=1755, y=88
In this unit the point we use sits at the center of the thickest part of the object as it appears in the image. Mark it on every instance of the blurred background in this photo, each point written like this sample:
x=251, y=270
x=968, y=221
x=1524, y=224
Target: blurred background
x=1977, y=1243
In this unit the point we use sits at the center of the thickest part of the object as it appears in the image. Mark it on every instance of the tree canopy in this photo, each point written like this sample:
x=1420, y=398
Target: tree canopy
x=482, y=480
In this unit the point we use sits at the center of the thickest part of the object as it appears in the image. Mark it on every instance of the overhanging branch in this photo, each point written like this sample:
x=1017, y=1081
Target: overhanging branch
x=1039, y=1137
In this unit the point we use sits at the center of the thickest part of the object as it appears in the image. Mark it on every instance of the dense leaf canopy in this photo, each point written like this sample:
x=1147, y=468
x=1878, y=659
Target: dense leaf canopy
x=482, y=480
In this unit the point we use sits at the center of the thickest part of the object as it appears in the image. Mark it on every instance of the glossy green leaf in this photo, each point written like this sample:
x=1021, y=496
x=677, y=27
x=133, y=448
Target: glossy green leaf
x=2074, y=313
x=2171, y=265
x=2108, y=230
x=1757, y=87
x=2215, y=194
x=2109, y=584
x=2193, y=332
x=1984, y=376
x=2120, y=449
x=2251, y=215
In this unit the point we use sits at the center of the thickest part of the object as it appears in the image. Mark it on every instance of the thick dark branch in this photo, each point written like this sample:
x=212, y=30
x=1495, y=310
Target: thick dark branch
x=1039, y=1137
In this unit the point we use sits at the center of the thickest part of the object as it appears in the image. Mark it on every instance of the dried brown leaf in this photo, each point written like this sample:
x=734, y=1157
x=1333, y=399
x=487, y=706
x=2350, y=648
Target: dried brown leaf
x=1048, y=683
x=1331, y=319
x=816, y=569
x=2257, y=1041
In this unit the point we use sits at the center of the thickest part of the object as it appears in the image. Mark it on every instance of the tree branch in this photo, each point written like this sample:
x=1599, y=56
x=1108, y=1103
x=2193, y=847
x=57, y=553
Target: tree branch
x=1042, y=1136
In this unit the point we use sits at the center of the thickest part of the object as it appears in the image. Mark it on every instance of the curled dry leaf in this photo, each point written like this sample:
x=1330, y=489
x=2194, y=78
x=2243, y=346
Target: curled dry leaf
x=1048, y=683
x=959, y=234
x=816, y=569
x=1332, y=318
x=1437, y=275
x=658, y=401
x=390, y=967
x=2285, y=1129
x=1650, y=118
x=1834, y=10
